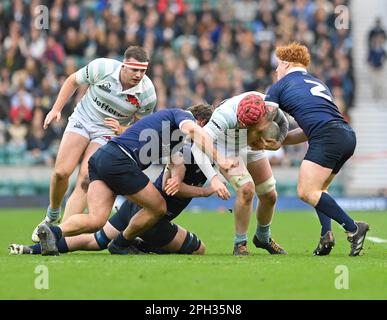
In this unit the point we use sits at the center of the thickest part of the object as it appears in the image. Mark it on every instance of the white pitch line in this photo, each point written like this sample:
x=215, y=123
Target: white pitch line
x=377, y=240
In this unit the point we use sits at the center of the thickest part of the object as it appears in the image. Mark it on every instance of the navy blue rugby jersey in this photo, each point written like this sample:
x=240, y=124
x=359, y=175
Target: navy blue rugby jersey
x=306, y=99
x=154, y=137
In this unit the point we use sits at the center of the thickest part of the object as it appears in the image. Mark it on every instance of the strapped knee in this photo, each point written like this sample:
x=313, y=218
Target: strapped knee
x=265, y=187
x=102, y=239
x=240, y=180
x=191, y=244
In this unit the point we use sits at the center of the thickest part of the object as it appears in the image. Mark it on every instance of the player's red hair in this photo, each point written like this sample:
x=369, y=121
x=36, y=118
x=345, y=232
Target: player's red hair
x=294, y=52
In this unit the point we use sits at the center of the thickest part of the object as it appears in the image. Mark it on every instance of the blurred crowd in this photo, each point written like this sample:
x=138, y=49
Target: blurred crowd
x=377, y=56
x=200, y=51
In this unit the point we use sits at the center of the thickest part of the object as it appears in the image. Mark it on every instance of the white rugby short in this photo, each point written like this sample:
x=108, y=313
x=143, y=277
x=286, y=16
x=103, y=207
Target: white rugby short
x=247, y=154
x=95, y=133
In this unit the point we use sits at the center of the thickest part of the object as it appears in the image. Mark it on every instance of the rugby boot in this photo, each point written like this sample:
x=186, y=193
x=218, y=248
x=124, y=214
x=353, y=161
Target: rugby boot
x=357, y=239
x=240, y=249
x=324, y=247
x=131, y=249
x=272, y=247
x=47, y=240
x=16, y=249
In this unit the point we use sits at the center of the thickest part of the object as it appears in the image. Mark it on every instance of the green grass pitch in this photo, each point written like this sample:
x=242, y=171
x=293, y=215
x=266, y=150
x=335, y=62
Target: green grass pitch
x=217, y=275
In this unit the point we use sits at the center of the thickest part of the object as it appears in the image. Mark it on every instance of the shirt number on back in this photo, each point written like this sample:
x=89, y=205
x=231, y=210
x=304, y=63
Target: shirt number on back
x=318, y=89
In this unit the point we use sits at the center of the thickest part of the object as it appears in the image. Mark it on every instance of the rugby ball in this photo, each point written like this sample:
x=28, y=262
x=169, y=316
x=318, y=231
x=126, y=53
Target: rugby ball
x=272, y=132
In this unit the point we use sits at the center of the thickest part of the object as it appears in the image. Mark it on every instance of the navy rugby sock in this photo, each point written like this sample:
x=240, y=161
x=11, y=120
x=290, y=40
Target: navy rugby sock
x=36, y=248
x=62, y=245
x=329, y=207
x=325, y=221
x=57, y=232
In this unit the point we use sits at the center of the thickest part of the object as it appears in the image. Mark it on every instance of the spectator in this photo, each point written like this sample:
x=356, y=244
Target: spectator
x=377, y=31
x=376, y=59
x=202, y=51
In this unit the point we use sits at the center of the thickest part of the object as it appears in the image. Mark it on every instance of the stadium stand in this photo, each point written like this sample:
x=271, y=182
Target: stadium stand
x=200, y=51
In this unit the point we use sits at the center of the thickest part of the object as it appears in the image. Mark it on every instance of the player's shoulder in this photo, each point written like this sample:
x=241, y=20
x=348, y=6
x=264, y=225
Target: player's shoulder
x=105, y=66
x=147, y=82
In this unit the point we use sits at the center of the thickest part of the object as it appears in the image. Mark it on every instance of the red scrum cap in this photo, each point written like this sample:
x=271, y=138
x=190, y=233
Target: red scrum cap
x=250, y=109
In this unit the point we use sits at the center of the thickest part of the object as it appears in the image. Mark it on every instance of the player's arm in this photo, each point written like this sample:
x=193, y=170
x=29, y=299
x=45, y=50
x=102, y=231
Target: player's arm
x=89, y=74
x=295, y=136
x=187, y=191
x=206, y=167
x=199, y=136
x=174, y=174
x=67, y=90
x=283, y=124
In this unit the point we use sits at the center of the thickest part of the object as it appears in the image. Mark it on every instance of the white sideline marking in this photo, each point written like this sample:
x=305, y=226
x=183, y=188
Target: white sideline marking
x=377, y=240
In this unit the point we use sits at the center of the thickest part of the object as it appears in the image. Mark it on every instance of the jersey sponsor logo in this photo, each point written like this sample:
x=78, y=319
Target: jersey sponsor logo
x=105, y=87
x=108, y=108
x=133, y=100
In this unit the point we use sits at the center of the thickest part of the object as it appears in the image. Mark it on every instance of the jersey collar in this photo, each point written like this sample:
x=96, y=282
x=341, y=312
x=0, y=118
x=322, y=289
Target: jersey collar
x=136, y=89
x=294, y=69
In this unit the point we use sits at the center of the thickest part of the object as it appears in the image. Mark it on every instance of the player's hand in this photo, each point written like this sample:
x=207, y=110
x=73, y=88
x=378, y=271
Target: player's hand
x=266, y=144
x=226, y=164
x=271, y=144
x=172, y=186
x=208, y=191
x=114, y=124
x=52, y=115
x=220, y=188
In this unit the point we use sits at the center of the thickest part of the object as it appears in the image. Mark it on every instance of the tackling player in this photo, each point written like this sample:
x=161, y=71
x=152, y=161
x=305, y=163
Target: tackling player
x=253, y=174
x=116, y=169
x=163, y=237
x=118, y=93
x=331, y=142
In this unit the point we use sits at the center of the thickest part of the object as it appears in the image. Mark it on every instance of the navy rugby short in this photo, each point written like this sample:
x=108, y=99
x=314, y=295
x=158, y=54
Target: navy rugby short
x=332, y=146
x=121, y=173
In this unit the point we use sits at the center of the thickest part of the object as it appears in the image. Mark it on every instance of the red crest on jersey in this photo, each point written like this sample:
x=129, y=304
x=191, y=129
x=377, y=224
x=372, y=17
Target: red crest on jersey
x=133, y=100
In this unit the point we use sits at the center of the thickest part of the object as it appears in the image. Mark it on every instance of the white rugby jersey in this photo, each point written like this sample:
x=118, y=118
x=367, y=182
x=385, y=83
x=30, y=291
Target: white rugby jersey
x=224, y=117
x=105, y=97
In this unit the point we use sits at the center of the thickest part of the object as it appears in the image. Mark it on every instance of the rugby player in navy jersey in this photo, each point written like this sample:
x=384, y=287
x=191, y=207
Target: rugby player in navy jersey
x=331, y=142
x=116, y=169
x=163, y=237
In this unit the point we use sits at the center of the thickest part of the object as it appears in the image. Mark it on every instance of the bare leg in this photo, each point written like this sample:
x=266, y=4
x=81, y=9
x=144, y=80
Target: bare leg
x=260, y=171
x=244, y=199
x=77, y=202
x=88, y=242
x=72, y=144
x=100, y=199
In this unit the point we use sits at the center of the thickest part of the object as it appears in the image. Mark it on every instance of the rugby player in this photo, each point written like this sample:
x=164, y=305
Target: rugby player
x=116, y=169
x=331, y=142
x=236, y=125
x=119, y=93
x=163, y=237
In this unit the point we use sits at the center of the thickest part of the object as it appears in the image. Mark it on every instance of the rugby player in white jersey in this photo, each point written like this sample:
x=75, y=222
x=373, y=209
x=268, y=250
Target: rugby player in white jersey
x=119, y=94
x=254, y=174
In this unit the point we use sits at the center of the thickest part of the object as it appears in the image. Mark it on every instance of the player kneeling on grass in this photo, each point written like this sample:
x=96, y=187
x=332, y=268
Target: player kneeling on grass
x=116, y=169
x=236, y=125
x=164, y=237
